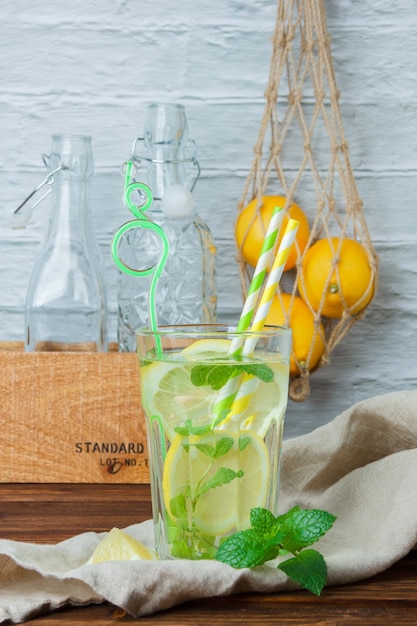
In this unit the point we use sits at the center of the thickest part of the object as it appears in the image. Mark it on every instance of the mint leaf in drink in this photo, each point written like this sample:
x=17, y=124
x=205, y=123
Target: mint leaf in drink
x=199, y=374
x=216, y=376
x=270, y=536
x=189, y=429
x=214, y=452
x=223, y=446
x=260, y=370
x=308, y=569
x=178, y=506
x=223, y=476
x=213, y=376
x=243, y=442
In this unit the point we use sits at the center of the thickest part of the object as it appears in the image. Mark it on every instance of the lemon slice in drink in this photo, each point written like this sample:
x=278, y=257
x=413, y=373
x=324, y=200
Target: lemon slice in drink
x=169, y=394
x=120, y=546
x=212, y=481
x=207, y=348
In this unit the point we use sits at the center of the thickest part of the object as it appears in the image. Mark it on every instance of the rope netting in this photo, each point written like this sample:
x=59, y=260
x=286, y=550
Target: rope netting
x=302, y=156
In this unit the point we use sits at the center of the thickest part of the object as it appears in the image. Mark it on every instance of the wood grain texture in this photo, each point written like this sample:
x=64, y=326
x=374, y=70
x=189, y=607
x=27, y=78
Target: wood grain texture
x=48, y=513
x=71, y=417
x=51, y=513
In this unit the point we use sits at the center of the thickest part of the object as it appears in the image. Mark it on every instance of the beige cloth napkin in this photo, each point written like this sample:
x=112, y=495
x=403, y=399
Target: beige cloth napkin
x=362, y=467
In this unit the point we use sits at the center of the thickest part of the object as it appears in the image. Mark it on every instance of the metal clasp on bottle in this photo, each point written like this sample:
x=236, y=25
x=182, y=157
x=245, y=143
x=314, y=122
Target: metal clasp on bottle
x=21, y=218
x=190, y=147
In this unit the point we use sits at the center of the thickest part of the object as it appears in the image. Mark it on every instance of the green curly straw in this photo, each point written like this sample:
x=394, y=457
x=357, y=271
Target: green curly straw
x=141, y=221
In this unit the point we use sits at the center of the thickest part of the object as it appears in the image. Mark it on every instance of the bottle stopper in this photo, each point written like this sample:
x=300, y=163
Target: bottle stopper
x=177, y=201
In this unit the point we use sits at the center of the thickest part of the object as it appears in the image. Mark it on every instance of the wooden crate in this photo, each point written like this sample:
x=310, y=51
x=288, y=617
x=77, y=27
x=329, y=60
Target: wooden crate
x=71, y=418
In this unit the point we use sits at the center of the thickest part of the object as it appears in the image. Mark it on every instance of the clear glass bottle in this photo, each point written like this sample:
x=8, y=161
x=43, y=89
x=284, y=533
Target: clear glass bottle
x=186, y=291
x=66, y=307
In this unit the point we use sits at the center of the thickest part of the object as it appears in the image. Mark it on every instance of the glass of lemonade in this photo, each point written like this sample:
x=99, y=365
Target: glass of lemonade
x=214, y=402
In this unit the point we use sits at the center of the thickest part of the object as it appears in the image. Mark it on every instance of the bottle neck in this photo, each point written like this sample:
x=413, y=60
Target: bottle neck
x=167, y=153
x=69, y=216
x=161, y=174
x=164, y=174
x=70, y=207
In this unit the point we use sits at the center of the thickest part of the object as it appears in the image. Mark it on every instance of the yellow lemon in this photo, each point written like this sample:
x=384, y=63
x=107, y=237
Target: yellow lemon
x=118, y=545
x=307, y=342
x=252, y=224
x=336, y=276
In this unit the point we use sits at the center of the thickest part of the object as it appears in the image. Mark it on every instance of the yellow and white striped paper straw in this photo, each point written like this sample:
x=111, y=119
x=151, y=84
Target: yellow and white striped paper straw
x=248, y=384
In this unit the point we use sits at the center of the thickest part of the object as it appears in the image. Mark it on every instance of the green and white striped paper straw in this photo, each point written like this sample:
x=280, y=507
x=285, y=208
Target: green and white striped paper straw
x=272, y=283
x=258, y=277
x=228, y=392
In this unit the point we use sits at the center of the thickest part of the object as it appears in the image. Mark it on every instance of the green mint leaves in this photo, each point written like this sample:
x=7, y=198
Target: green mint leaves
x=309, y=569
x=271, y=536
x=185, y=537
x=216, y=376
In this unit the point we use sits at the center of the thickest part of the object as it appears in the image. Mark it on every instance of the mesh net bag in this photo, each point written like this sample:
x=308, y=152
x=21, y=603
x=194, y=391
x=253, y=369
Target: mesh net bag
x=302, y=157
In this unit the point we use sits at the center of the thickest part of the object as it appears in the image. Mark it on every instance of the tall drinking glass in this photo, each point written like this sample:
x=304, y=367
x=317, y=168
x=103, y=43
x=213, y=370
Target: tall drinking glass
x=214, y=402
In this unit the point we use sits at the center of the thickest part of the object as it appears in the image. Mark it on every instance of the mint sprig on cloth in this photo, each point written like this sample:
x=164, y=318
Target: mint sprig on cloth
x=270, y=537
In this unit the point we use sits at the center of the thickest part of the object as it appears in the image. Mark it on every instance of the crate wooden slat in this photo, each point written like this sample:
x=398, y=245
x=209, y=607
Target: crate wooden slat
x=71, y=418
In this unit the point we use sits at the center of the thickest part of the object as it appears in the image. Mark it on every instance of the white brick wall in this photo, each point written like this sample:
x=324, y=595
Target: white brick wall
x=92, y=67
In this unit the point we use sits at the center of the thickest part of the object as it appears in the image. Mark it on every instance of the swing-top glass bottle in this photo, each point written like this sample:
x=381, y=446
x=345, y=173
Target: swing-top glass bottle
x=66, y=308
x=186, y=291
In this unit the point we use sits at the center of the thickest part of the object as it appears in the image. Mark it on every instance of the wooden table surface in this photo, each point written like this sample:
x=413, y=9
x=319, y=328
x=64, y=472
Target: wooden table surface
x=51, y=513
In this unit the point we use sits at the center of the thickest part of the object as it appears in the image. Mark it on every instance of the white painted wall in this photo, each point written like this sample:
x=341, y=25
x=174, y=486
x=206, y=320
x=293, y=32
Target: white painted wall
x=92, y=67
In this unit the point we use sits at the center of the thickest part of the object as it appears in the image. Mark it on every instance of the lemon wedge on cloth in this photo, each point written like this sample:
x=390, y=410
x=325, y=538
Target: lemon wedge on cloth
x=119, y=546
